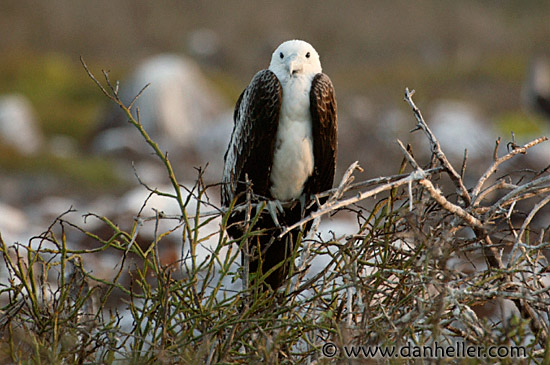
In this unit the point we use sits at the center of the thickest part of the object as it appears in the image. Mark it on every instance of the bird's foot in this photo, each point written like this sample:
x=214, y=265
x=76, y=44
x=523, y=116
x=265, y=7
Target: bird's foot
x=302, y=201
x=274, y=207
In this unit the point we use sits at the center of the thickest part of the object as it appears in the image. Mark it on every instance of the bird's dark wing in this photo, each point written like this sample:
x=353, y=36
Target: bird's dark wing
x=324, y=132
x=250, y=150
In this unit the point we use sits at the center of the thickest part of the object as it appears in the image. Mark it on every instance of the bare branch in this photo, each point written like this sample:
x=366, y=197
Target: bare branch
x=332, y=206
x=103, y=90
x=495, y=152
x=522, y=191
x=530, y=217
x=379, y=180
x=450, y=207
x=137, y=96
x=498, y=161
x=436, y=148
x=464, y=163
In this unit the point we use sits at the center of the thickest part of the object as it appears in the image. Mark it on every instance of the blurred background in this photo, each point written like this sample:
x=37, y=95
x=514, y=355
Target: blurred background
x=477, y=67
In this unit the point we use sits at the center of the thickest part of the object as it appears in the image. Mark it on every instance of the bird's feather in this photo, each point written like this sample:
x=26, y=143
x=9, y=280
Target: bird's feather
x=250, y=154
x=250, y=151
x=325, y=134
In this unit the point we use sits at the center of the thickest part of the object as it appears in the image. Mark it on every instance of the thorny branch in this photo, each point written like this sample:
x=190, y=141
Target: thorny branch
x=333, y=205
x=345, y=186
x=436, y=148
x=481, y=219
x=390, y=281
x=498, y=161
x=482, y=224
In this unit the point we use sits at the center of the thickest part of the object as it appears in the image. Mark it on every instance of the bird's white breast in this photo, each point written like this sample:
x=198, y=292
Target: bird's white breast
x=293, y=158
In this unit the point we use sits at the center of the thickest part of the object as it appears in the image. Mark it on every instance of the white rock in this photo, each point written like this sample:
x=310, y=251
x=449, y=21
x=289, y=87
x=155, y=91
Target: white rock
x=13, y=223
x=18, y=126
x=457, y=126
x=176, y=107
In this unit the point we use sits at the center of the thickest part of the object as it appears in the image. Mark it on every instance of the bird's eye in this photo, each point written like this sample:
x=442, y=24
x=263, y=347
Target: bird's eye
x=281, y=55
x=308, y=54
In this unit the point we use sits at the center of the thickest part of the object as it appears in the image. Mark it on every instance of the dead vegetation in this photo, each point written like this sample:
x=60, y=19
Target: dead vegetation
x=424, y=266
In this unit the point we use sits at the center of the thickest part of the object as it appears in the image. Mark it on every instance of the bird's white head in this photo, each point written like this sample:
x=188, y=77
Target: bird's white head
x=295, y=58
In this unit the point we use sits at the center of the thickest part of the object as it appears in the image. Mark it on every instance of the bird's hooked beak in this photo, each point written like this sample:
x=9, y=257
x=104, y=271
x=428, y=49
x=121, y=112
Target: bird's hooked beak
x=294, y=65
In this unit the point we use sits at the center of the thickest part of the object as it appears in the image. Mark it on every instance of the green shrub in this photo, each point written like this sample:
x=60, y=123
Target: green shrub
x=391, y=283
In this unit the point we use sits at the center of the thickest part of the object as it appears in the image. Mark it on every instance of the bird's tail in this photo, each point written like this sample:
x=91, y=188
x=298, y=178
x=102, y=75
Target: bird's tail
x=269, y=257
x=273, y=257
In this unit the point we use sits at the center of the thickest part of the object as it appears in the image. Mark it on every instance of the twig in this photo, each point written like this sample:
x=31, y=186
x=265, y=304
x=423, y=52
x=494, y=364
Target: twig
x=409, y=156
x=527, y=221
x=450, y=207
x=246, y=247
x=464, y=163
x=332, y=206
x=163, y=156
x=438, y=197
x=346, y=181
x=244, y=206
x=436, y=148
x=499, y=185
x=495, y=152
x=498, y=161
x=525, y=189
x=137, y=96
x=379, y=180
